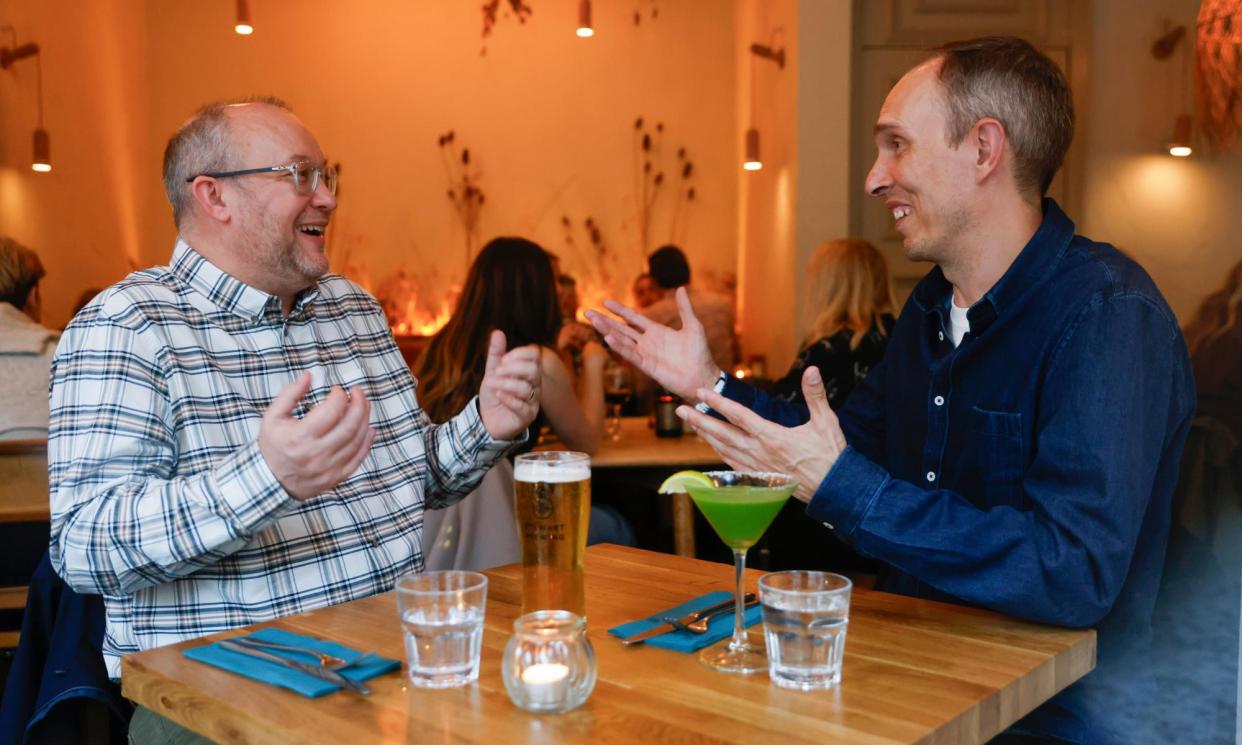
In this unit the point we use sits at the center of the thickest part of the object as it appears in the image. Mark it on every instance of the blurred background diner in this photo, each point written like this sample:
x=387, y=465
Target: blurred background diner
x=714, y=144
x=26, y=347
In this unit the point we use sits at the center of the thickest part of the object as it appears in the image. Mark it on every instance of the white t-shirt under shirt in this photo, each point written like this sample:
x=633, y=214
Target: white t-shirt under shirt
x=958, y=323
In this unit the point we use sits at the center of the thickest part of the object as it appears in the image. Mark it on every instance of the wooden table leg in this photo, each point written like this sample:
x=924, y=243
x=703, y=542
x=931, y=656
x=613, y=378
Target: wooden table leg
x=683, y=525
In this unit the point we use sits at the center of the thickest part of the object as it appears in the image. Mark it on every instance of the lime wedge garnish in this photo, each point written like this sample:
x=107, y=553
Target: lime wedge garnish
x=676, y=484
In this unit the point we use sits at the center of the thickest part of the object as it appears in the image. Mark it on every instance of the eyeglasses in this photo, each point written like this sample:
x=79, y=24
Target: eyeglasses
x=306, y=176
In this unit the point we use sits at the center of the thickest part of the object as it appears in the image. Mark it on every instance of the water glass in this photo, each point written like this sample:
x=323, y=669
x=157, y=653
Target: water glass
x=805, y=617
x=442, y=620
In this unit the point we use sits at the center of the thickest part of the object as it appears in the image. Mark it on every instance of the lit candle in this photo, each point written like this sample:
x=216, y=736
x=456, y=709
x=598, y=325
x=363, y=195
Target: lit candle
x=545, y=684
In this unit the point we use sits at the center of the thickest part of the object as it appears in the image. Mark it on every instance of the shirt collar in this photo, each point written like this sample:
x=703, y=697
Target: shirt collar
x=227, y=292
x=1025, y=275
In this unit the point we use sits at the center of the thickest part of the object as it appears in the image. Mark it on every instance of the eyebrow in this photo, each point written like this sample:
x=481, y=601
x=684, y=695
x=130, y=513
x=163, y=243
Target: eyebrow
x=884, y=127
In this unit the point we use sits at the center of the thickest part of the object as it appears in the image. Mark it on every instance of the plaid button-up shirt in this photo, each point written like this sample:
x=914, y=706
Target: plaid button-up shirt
x=161, y=500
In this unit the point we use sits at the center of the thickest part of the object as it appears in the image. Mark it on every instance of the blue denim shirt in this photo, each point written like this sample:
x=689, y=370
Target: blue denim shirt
x=1030, y=469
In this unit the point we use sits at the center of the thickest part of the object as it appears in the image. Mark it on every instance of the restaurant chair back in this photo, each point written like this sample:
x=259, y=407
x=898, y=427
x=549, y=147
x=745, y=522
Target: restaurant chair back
x=480, y=531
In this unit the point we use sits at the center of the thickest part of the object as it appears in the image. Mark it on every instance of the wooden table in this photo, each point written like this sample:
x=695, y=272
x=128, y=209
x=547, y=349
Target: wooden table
x=24, y=491
x=915, y=671
x=639, y=447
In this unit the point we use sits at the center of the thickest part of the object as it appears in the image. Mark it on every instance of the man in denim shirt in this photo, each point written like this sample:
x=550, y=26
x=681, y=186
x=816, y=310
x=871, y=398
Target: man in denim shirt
x=1018, y=446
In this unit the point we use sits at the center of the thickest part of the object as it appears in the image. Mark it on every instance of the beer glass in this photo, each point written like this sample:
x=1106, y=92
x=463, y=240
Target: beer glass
x=552, y=499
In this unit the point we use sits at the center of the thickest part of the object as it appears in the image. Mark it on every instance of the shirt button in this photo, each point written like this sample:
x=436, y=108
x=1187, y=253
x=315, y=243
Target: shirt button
x=939, y=400
x=931, y=475
x=940, y=334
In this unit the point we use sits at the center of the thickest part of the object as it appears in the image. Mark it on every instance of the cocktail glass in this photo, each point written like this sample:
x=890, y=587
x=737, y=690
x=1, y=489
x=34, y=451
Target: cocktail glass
x=740, y=505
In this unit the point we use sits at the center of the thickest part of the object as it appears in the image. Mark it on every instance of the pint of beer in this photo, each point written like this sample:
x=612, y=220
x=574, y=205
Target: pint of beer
x=553, y=505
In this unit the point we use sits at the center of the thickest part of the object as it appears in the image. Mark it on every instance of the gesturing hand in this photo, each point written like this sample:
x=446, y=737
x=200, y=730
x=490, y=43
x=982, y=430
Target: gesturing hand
x=314, y=454
x=678, y=360
x=748, y=442
x=509, y=393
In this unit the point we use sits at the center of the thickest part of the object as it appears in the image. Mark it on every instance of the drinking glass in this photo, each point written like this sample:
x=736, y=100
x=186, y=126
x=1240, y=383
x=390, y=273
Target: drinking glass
x=442, y=621
x=805, y=617
x=618, y=387
x=740, y=505
x=552, y=500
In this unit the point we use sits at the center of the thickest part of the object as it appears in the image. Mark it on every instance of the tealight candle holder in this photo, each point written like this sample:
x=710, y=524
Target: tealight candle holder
x=549, y=664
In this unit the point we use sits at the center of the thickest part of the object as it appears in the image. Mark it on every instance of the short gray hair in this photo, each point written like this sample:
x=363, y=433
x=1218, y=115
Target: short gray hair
x=1007, y=79
x=202, y=145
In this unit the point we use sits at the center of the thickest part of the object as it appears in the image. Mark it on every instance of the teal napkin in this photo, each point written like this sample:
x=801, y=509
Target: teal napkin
x=720, y=627
x=278, y=675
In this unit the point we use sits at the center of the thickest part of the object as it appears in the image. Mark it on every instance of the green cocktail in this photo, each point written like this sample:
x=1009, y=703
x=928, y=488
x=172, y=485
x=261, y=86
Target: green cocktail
x=740, y=506
x=740, y=514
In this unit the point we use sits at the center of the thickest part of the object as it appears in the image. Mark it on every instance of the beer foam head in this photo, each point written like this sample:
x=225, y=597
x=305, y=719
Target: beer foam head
x=532, y=470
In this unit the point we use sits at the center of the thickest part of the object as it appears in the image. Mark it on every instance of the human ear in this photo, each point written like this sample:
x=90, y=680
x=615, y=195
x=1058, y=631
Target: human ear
x=210, y=199
x=988, y=136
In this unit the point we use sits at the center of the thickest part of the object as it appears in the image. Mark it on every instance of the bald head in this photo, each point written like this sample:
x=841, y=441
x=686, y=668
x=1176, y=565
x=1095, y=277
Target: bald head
x=205, y=144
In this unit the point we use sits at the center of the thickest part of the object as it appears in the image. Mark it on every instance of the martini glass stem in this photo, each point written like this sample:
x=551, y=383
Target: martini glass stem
x=739, y=609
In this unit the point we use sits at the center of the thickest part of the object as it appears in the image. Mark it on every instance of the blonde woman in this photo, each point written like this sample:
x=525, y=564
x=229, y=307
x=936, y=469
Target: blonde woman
x=848, y=315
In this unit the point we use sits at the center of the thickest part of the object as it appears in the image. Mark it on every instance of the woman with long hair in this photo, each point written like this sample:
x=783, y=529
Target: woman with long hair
x=1214, y=338
x=848, y=314
x=511, y=287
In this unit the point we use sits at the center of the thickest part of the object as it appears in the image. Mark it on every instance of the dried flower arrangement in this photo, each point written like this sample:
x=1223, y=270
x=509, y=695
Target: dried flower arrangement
x=1219, y=57
x=463, y=188
x=492, y=8
x=653, y=12
x=650, y=182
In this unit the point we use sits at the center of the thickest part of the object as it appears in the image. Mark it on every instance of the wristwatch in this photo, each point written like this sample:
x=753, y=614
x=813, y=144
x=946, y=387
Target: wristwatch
x=717, y=388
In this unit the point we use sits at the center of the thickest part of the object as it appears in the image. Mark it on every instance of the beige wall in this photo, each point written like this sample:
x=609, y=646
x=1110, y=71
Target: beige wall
x=799, y=199
x=1179, y=218
x=548, y=118
x=83, y=218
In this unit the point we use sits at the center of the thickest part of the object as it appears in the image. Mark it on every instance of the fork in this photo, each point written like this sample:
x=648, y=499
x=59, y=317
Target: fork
x=325, y=660
x=699, y=625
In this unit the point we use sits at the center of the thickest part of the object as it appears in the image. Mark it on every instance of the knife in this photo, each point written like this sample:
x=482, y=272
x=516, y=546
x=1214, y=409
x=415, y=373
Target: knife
x=315, y=671
x=665, y=627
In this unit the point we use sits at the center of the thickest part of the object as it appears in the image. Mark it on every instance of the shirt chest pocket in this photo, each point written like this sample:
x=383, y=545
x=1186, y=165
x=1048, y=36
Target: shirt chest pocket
x=999, y=454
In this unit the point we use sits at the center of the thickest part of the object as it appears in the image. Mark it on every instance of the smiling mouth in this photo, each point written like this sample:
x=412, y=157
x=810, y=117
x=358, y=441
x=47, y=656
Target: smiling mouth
x=900, y=212
x=312, y=230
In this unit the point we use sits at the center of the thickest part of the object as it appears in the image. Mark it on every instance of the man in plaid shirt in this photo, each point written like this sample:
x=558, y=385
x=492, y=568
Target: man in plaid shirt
x=235, y=437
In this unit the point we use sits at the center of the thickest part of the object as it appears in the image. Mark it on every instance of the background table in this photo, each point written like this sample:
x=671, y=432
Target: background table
x=639, y=448
x=916, y=671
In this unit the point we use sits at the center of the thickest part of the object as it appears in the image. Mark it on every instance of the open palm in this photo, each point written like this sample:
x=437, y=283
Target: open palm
x=678, y=359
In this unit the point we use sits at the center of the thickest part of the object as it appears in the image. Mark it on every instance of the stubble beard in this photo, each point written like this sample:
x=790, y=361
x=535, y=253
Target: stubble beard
x=941, y=248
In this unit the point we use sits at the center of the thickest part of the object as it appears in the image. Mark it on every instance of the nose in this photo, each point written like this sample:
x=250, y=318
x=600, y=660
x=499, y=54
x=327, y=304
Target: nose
x=323, y=198
x=878, y=181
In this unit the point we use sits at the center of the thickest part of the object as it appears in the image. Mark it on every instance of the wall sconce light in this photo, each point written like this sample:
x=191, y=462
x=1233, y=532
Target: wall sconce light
x=1179, y=146
x=767, y=52
x=1163, y=48
x=41, y=156
x=243, y=25
x=585, y=30
x=752, y=162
